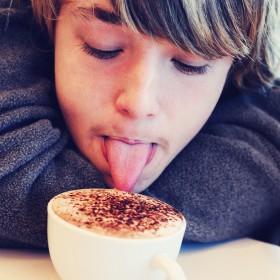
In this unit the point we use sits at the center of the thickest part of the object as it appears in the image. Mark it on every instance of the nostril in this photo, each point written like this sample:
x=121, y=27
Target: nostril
x=124, y=111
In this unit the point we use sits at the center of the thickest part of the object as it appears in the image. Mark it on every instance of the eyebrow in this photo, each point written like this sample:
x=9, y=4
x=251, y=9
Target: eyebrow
x=91, y=13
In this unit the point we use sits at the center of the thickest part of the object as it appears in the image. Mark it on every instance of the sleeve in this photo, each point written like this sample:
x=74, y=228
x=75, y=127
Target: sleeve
x=227, y=180
x=37, y=160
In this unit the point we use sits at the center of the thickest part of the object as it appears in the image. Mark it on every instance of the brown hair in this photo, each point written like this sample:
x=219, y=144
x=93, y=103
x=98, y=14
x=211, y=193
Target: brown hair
x=246, y=30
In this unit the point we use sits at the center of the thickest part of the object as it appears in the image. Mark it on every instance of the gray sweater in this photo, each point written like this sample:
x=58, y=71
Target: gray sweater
x=226, y=182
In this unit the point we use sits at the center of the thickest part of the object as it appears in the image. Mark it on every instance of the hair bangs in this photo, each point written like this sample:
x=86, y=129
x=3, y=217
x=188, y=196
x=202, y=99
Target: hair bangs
x=206, y=28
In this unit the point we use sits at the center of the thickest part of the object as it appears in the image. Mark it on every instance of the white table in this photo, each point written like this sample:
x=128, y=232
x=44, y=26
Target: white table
x=243, y=259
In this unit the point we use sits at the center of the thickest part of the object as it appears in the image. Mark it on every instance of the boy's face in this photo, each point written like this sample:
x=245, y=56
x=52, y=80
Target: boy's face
x=132, y=103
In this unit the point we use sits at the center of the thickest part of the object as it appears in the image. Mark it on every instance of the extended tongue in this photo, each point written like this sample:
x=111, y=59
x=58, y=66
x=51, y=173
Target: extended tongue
x=126, y=162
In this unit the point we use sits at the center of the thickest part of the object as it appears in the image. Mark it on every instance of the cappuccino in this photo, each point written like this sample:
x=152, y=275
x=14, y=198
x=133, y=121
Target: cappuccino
x=117, y=213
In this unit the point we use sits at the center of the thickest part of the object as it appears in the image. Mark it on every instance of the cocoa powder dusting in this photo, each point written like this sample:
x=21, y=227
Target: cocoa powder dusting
x=117, y=213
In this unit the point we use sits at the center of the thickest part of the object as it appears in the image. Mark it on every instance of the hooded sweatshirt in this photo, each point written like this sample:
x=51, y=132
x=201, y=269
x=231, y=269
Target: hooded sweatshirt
x=226, y=182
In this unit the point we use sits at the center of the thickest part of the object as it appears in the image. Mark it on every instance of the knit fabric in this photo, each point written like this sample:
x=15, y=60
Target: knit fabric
x=226, y=182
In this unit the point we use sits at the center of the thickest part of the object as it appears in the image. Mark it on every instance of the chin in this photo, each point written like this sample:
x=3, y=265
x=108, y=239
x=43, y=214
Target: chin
x=141, y=186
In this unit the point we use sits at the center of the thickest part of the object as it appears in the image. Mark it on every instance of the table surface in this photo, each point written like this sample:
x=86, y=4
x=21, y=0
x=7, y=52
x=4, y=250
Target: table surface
x=243, y=259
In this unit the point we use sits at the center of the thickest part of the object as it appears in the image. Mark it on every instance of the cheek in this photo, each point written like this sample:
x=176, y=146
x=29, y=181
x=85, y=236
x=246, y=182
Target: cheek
x=80, y=92
x=193, y=101
x=191, y=107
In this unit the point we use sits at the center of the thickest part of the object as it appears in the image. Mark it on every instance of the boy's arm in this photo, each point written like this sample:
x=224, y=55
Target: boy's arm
x=227, y=180
x=36, y=160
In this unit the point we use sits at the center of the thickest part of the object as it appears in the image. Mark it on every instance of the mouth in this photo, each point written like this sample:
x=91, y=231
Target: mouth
x=129, y=142
x=127, y=158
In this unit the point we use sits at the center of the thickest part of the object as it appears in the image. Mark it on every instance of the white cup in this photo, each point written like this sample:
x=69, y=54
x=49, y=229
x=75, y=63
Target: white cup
x=79, y=253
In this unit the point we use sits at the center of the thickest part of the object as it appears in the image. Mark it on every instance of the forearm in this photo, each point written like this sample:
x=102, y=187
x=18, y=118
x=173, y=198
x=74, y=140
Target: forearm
x=36, y=163
x=221, y=194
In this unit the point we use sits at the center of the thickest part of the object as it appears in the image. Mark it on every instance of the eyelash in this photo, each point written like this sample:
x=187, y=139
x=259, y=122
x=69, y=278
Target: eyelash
x=100, y=54
x=190, y=69
x=182, y=67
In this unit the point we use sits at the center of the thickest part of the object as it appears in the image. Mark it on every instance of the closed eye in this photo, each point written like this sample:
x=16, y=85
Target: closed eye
x=190, y=69
x=100, y=54
x=110, y=54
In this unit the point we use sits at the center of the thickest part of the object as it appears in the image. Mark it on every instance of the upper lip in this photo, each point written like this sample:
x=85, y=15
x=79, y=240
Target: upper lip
x=127, y=140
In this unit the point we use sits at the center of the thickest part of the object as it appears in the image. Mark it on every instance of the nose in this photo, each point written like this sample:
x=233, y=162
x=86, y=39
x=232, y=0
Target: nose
x=140, y=90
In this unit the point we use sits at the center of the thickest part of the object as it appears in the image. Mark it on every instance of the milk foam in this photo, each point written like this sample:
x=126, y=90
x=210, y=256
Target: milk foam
x=117, y=213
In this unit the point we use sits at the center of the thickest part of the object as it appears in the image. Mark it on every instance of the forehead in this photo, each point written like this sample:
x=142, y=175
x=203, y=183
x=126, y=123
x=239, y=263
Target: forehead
x=89, y=10
x=89, y=4
x=192, y=28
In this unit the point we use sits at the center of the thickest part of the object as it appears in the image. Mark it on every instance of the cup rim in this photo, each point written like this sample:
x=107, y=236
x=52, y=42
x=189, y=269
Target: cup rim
x=52, y=215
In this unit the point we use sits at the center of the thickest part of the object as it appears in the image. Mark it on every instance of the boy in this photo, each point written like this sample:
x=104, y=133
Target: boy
x=135, y=85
